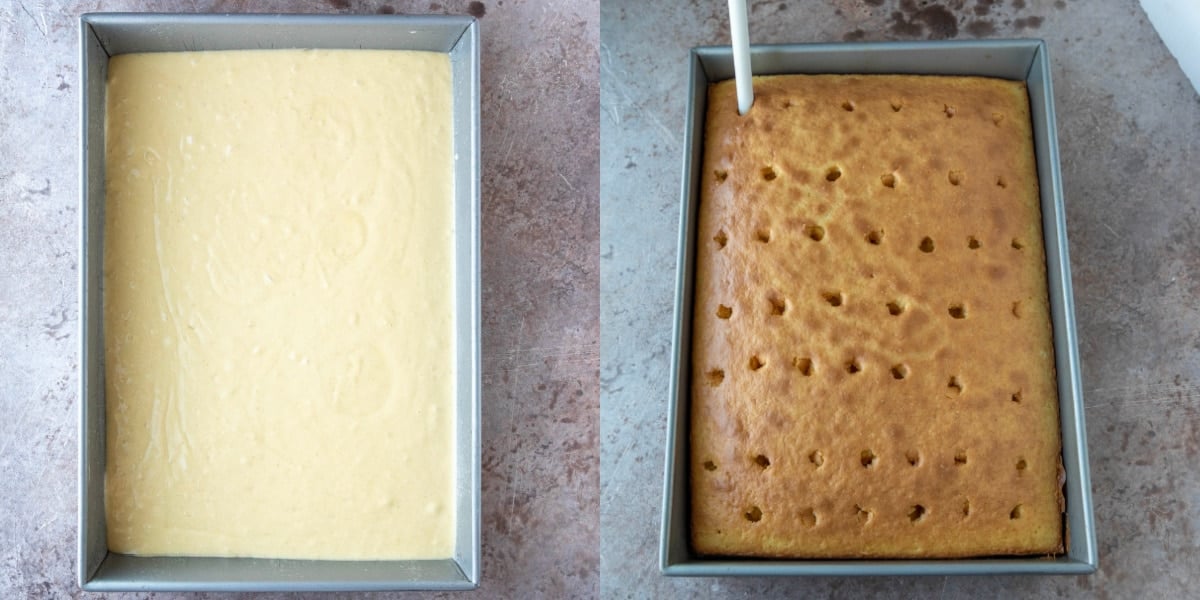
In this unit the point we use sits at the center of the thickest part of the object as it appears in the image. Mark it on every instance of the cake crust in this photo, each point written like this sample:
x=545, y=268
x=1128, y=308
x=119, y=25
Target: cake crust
x=872, y=357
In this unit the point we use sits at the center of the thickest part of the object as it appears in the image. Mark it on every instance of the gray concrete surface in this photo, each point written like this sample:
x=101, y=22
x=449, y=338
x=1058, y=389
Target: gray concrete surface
x=540, y=288
x=1128, y=124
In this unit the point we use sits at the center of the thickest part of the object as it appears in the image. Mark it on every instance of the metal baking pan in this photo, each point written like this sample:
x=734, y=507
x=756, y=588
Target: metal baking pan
x=1024, y=60
x=105, y=35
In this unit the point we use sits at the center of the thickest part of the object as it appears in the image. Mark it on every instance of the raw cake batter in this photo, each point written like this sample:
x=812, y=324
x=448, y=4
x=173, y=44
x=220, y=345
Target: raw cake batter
x=278, y=309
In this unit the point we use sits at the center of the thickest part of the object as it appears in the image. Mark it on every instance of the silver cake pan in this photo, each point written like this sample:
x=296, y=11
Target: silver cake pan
x=105, y=35
x=1023, y=60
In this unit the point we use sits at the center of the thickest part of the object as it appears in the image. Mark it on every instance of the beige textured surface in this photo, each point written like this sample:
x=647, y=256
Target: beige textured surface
x=279, y=327
x=873, y=369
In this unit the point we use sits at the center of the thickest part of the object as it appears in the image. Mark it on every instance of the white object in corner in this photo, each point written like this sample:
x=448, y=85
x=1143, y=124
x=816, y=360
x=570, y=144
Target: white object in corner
x=1178, y=24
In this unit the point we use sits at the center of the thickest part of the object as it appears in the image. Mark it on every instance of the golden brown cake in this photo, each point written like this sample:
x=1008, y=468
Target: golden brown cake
x=873, y=365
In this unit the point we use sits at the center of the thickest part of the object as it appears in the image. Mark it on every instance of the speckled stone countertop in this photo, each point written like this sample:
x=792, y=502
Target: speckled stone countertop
x=540, y=232
x=1128, y=124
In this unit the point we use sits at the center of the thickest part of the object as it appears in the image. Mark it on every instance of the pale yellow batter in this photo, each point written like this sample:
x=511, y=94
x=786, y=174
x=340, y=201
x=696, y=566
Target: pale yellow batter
x=278, y=305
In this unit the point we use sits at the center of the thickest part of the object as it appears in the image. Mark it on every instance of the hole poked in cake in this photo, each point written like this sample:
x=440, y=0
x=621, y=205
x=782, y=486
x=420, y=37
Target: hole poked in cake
x=763, y=234
x=1016, y=397
x=768, y=173
x=895, y=308
x=957, y=311
x=720, y=176
x=753, y=514
x=1016, y=512
x=710, y=465
x=1021, y=465
x=757, y=363
x=926, y=245
x=816, y=458
x=916, y=513
x=875, y=237
x=997, y=118
x=954, y=386
x=778, y=305
x=1000, y=182
x=1016, y=309
x=888, y=180
x=714, y=377
x=960, y=458
x=853, y=367
x=834, y=299
x=867, y=458
x=973, y=242
x=955, y=177
x=814, y=232
x=950, y=111
x=1017, y=244
x=913, y=457
x=966, y=508
x=897, y=105
x=863, y=515
x=833, y=173
x=899, y=371
x=848, y=106
x=724, y=312
x=721, y=239
x=762, y=461
x=808, y=518
x=804, y=365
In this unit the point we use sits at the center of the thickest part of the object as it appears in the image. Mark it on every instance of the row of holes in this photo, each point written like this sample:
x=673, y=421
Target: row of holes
x=834, y=173
x=895, y=308
x=816, y=233
x=916, y=513
x=897, y=105
x=948, y=110
x=807, y=368
x=868, y=459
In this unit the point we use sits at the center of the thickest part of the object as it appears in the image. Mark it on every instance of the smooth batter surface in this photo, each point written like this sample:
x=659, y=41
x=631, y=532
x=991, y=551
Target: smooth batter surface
x=278, y=279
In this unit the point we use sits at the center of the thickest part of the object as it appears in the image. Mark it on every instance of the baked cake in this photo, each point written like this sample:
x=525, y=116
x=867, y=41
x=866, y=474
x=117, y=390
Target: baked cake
x=873, y=364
